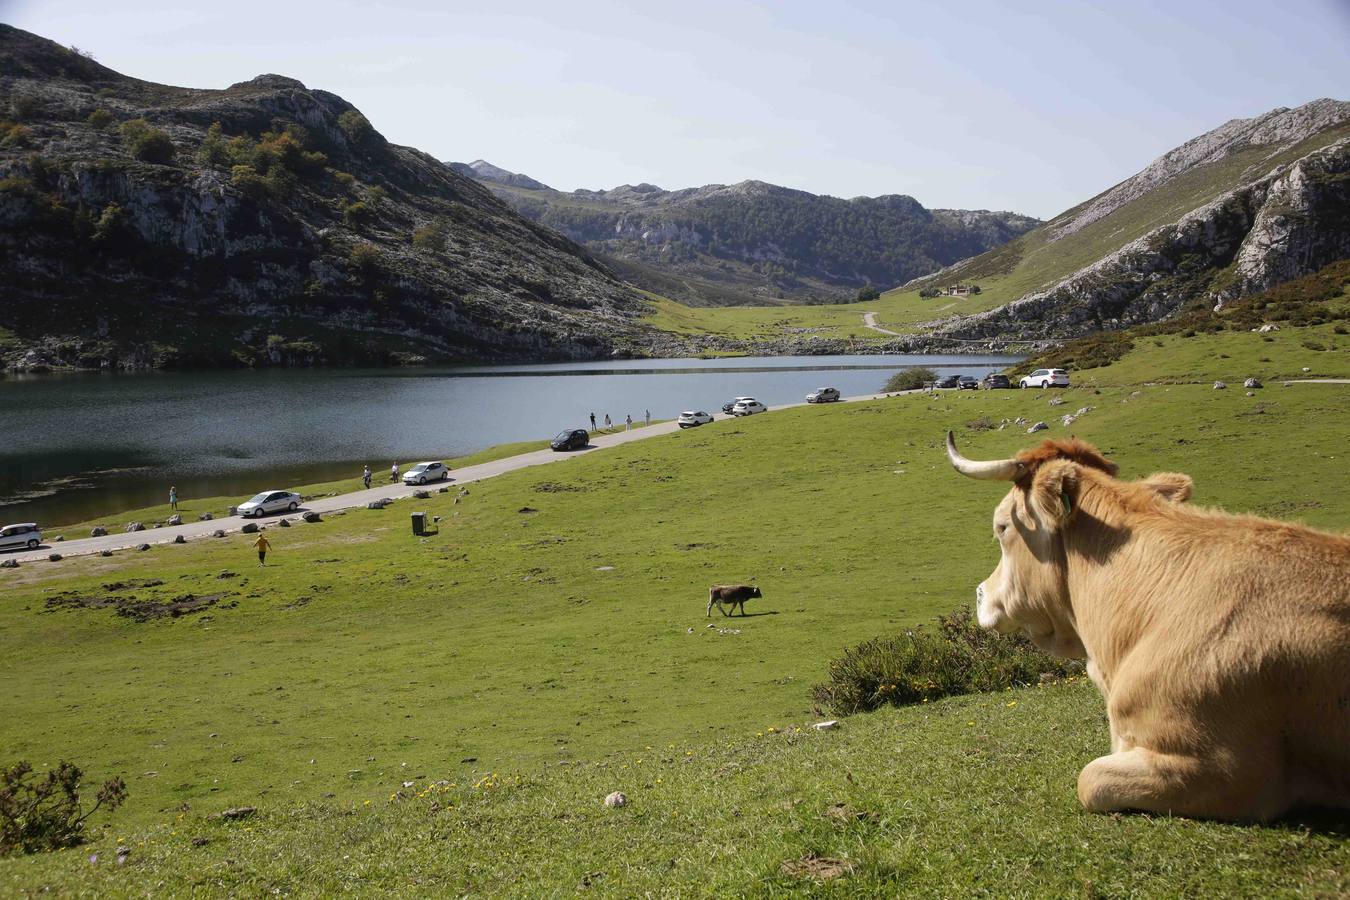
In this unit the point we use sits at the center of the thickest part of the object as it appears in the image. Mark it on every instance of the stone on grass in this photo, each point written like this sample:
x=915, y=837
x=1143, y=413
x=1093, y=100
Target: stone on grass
x=1307, y=369
x=219, y=532
x=105, y=553
x=205, y=517
x=60, y=538
x=9, y=564
x=827, y=725
x=1056, y=401
x=179, y=539
x=1253, y=383
x=174, y=519
x=1220, y=386
x=312, y=516
x=135, y=526
x=249, y=528
x=98, y=531
x=284, y=523
x=444, y=490
x=54, y=557
x=1039, y=426
x=618, y=798
x=123, y=854
x=1269, y=326
x=421, y=494
x=236, y=813
x=142, y=547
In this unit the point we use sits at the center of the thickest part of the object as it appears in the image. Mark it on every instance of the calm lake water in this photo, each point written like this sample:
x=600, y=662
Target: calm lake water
x=81, y=446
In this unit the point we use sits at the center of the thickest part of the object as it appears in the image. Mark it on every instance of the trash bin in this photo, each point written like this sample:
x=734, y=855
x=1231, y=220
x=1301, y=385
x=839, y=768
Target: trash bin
x=419, y=523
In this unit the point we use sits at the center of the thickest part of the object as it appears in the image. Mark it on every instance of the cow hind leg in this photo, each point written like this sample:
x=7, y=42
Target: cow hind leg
x=1144, y=781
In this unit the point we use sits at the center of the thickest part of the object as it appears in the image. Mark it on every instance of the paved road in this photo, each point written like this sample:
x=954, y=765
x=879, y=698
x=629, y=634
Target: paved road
x=870, y=320
x=466, y=475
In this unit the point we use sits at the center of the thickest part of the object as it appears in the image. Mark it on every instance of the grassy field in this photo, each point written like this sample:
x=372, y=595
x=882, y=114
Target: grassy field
x=549, y=646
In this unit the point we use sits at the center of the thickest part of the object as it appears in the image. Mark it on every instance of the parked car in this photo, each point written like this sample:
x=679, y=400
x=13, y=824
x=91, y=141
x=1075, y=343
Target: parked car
x=690, y=419
x=269, y=502
x=996, y=380
x=947, y=381
x=748, y=406
x=574, y=439
x=823, y=395
x=967, y=383
x=426, y=471
x=728, y=407
x=1042, y=378
x=25, y=535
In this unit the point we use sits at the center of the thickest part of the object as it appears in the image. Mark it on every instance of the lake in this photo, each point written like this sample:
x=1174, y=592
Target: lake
x=81, y=446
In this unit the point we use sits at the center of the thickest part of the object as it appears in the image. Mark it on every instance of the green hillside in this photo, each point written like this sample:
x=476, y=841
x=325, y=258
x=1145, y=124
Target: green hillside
x=549, y=647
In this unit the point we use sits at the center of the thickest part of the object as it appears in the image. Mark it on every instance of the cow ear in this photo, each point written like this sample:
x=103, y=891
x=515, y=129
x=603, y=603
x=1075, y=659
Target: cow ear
x=1054, y=492
x=1171, y=486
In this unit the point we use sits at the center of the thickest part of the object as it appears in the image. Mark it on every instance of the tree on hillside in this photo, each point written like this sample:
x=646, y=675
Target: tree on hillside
x=868, y=293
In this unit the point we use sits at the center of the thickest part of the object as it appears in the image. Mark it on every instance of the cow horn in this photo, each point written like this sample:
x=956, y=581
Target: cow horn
x=984, y=469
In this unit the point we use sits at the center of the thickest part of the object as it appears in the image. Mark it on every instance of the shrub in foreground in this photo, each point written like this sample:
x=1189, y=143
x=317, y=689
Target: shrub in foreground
x=958, y=657
x=910, y=380
x=45, y=814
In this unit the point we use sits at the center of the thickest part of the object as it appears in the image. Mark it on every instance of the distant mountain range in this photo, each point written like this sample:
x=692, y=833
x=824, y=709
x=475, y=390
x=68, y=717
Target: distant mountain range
x=1238, y=210
x=754, y=242
x=144, y=225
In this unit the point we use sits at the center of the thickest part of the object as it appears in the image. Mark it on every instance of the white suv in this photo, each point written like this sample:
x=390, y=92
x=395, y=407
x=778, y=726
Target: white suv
x=426, y=471
x=748, y=406
x=1043, y=378
x=692, y=419
x=25, y=535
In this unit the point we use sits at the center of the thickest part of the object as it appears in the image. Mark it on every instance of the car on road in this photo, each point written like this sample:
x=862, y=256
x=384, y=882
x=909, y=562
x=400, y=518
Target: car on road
x=572, y=439
x=24, y=535
x=748, y=406
x=947, y=381
x=728, y=407
x=967, y=383
x=692, y=419
x=996, y=381
x=823, y=395
x=426, y=471
x=269, y=502
x=1043, y=378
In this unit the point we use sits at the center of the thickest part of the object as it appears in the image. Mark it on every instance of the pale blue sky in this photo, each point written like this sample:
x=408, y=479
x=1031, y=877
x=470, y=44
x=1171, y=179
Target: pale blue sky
x=1029, y=106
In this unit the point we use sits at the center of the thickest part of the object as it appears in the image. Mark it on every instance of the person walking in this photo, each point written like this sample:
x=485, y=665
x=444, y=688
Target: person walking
x=628, y=422
x=648, y=417
x=262, y=545
x=173, y=497
x=393, y=472
x=592, y=421
x=365, y=476
x=606, y=420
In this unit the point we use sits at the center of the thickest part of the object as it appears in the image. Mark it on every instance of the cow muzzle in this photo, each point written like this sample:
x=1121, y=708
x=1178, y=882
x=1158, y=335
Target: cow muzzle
x=989, y=613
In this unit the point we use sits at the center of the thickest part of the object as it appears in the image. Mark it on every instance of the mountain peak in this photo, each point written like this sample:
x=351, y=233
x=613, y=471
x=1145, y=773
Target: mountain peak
x=483, y=170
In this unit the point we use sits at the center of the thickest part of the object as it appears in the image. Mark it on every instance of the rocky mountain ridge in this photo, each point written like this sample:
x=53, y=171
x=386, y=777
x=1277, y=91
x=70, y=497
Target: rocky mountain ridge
x=754, y=242
x=266, y=223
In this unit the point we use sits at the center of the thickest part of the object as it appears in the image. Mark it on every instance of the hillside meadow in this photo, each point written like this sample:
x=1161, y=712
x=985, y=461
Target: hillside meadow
x=445, y=715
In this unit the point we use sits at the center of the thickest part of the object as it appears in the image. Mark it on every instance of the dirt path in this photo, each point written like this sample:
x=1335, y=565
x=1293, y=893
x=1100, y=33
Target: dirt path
x=356, y=499
x=870, y=320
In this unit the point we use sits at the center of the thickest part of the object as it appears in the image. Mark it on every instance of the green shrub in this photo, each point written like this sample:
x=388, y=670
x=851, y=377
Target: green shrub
x=867, y=293
x=100, y=119
x=377, y=195
x=429, y=237
x=365, y=261
x=45, y=814
x=214, y=151
x=111, y=225
x=910, y=380
x=357, y=213
x=356, y=127
x=13, y=135
x=958, y=657
x=249, y=182
x=346, y=179
x=147, y=143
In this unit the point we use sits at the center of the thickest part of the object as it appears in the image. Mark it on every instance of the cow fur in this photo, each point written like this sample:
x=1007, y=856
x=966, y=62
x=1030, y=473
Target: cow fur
x=1220, y=643
x=725, y=596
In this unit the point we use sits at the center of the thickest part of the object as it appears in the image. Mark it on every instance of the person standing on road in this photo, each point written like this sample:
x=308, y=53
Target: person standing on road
x=262, y=545
x=393, y=472
x=606, y=420
x=173, y=497
x=648, y=416
x=628, y=422
x=365, y=476
x=592, y=421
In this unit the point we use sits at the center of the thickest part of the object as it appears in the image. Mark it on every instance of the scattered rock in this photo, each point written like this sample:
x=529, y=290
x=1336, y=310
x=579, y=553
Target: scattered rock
x=142, y=547
x=205, y=517
x=1068, y=420
x=179, y=539
x=134, y=526
x=54, y=557
x=312, y=517
x=842, y=812
x=444, y=490
x=378, y=504
x=1220, y=386
x=1085, y=410
x=1039, y=426
x=235, y=813
x=616, y=799
x=174, y=519
x=827, y=725
x=1251, y=393
x=60, y=538
x=284, y=523
x=1056, y=401
x=1020, y=420
x=421, y=495
x=604, y=568
x=98, y=531
x=817, y=868
x=1253, y=383
x=105, y=553
x=1307, y=369
x=219, y=532
x=249, y=528
x=200, y=841
x=123, y=854
x=527, y=509
x=9, y=564
x=1269, y=326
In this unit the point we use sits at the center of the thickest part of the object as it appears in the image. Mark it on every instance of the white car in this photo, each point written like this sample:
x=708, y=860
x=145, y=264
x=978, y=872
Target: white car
x=748, y=406
x=269, y=502
x=426, y=471
x=823, y=395
x=25, y=535
x=690, y=419
x=1042, y=378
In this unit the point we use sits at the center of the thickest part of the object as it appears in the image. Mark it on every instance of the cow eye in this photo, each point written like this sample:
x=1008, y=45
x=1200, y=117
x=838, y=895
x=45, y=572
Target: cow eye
x=1000, y=528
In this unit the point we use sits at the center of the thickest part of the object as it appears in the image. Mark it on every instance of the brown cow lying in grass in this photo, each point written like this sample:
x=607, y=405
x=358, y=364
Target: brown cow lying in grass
x=732, y=595
x=1221, y=643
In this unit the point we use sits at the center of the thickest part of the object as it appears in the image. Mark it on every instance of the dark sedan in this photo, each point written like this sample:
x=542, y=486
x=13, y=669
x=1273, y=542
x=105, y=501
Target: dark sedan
x=968, y=383
x=947, y=381
x=576, y=439
x=995, y=381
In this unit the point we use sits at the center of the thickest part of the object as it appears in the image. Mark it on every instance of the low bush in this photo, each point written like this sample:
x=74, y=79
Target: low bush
x=46, y=814
x=910, y=380
x=147, y=143
x=100, y=119
x=429, y=237
x=958, y=657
